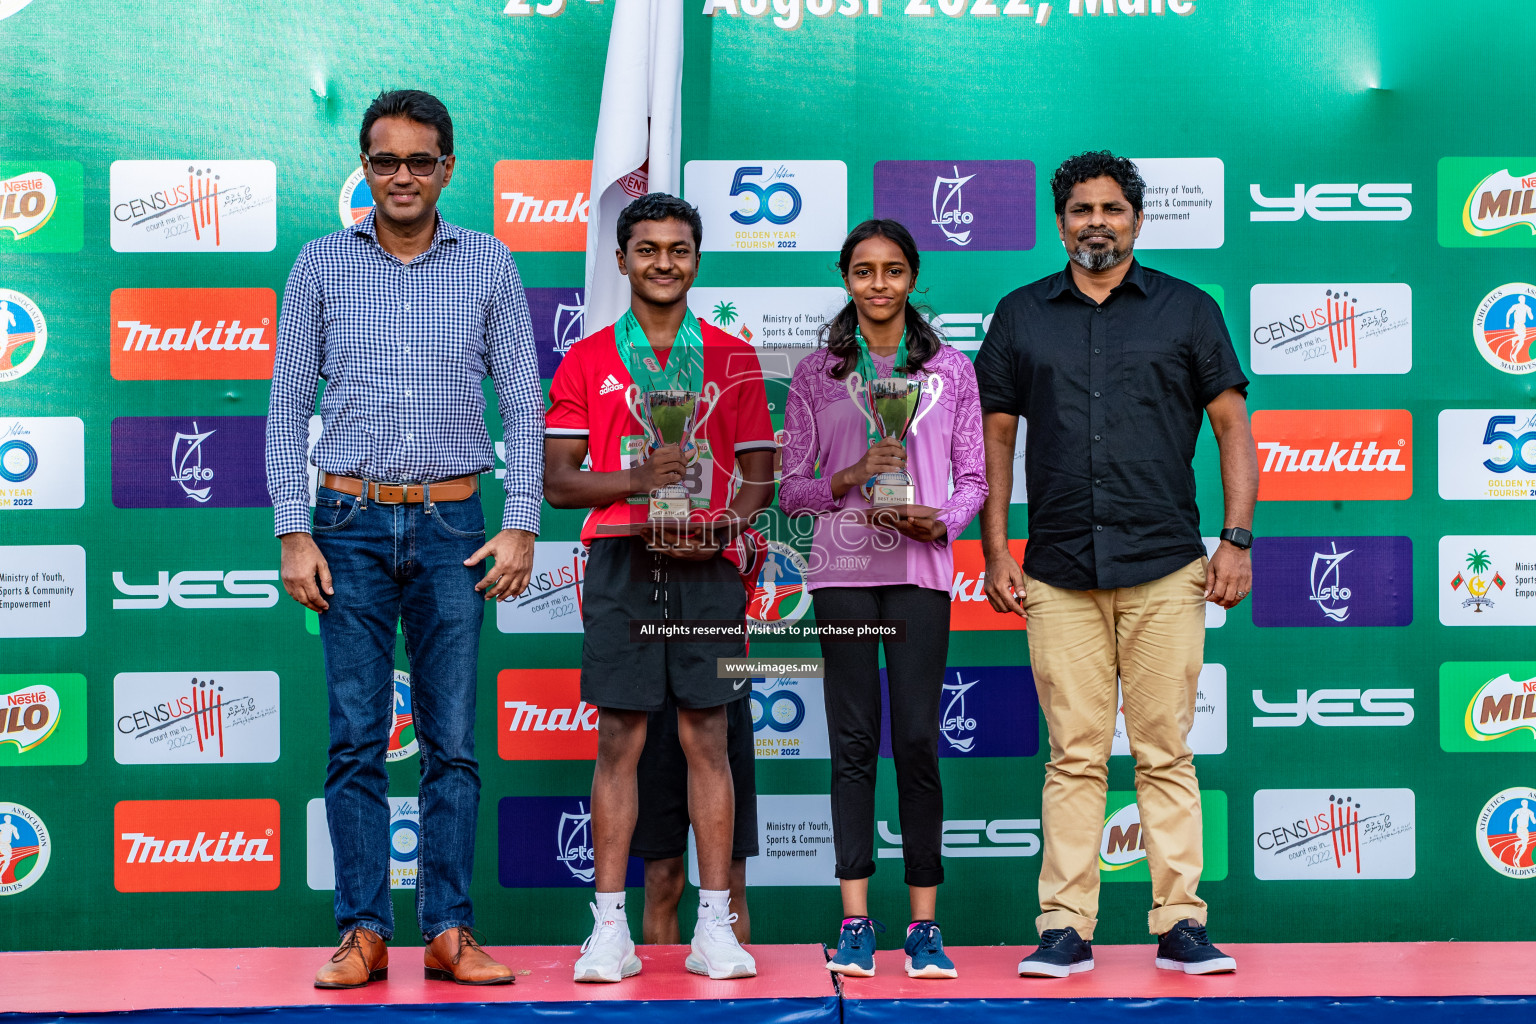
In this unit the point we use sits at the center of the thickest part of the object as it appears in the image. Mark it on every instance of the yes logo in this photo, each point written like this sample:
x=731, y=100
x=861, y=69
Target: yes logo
x=1336, y=706
x=1335, y=202
x=42, y=719
x=199, y=588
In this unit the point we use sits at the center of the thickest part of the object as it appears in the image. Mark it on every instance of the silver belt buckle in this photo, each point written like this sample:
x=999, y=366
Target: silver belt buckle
x=379, y=500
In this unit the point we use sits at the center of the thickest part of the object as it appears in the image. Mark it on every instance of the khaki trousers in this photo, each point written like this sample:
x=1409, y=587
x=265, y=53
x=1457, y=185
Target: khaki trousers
x=1153, y=637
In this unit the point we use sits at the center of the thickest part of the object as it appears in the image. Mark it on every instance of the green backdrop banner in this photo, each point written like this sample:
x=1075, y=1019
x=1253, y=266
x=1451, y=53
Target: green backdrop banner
x=1364, y=721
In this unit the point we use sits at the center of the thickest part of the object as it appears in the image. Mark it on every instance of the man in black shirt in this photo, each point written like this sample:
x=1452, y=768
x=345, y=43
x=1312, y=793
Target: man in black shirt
x=1114, y=366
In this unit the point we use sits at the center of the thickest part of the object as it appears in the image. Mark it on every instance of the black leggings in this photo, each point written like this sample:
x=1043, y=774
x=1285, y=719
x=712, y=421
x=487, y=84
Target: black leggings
x=915, y=670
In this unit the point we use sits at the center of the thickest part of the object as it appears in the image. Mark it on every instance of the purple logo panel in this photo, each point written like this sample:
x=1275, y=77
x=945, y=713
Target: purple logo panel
x=546, y=842
x=1332, y=581
x=189, y=462
x=960, y=205
x=983, y=712
x=557, y=324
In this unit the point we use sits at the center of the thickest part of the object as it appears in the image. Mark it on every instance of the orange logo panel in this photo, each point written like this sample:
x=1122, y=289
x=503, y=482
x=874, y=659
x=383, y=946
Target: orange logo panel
x=193, y=333
x=542, y=205
x=1334, y=454
x=968, y=605
x=540, y=716
x=196, y=845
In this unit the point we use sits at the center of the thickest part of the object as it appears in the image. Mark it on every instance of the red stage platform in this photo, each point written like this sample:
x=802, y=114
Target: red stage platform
x=1348, y=981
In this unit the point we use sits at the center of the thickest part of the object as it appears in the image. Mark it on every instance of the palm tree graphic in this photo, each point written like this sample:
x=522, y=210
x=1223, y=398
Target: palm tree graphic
x=725, y=313
x=1478, y=562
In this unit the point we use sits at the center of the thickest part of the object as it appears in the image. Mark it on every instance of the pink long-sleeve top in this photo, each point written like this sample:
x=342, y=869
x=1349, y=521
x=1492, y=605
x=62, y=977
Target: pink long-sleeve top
x=945, y=457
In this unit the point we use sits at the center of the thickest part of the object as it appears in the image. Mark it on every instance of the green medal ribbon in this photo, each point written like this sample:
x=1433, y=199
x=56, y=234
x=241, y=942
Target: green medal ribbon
x=867, y=372
x=684, y=370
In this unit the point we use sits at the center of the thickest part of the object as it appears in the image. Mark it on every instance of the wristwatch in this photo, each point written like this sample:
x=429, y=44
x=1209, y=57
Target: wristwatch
x=1238, y=537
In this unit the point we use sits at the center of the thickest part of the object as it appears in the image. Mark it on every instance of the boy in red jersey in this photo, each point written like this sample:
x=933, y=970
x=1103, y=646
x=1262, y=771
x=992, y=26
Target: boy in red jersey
x=636, y=573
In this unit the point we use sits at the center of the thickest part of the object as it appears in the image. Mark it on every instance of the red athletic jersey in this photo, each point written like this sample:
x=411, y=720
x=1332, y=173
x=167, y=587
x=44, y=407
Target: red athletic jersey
x=588, y=401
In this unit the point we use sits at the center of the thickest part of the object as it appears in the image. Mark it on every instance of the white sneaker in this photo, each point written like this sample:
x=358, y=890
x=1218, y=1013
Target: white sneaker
x=715, y=949
x=609, y=952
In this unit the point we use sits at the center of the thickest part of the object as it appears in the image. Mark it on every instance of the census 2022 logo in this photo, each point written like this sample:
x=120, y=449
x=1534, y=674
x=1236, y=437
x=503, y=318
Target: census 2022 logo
x=196, y=717
x=193, y=205
x=1329, y=202
x=1331, y=328
x=1333, y=834
x=1487, y=454
x=1487, y=202
x=552, y=601
x=769, y=205
x=975, y=205
x=23, y=335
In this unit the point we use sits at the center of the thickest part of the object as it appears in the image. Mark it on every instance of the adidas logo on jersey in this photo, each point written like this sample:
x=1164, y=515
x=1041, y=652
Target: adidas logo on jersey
x=610, y=384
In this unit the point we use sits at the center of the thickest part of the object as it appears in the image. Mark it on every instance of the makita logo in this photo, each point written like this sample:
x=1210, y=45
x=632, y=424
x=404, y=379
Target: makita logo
x=197, y=845
x=968, y=589
x=528, y=717
x=529, y=209
x=1334, y=454
x=192, y=333
x=1361, y=457
x=143, y=337
x=197, y=850
x=540, y=716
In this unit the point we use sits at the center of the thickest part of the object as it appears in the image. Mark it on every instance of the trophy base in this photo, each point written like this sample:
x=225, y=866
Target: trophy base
x=885, y=492
x=670, y=508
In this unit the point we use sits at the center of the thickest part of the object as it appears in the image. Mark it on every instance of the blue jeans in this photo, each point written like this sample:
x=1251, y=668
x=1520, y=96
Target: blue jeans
x=405, y=563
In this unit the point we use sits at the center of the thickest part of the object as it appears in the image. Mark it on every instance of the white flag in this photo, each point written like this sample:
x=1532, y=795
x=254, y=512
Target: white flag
x=639, y=138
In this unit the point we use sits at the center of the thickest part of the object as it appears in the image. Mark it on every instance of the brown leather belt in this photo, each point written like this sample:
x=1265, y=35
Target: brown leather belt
x=456, y=489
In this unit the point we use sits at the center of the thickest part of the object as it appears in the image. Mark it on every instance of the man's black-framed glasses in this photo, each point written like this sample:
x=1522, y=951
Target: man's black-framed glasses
x=387, y=165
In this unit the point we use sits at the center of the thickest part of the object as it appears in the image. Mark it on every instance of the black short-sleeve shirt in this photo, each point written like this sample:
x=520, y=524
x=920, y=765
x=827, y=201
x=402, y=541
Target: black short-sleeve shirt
x=1114, y=395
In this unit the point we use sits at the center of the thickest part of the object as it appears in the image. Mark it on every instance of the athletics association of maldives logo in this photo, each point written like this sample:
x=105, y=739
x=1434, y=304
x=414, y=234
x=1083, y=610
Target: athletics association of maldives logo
x=779, y=597
x=1504, y=328
x=23, y=335
x=355, y=199
x=24, y=848
x=402, y=728
x=1504, y=832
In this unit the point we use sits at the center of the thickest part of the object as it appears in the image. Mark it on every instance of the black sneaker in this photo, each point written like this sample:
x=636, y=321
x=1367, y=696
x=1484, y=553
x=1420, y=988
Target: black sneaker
x=1184, y=947
x=1062, y=952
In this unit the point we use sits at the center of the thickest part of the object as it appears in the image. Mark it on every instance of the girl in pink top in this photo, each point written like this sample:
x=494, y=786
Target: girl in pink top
x=895, y=566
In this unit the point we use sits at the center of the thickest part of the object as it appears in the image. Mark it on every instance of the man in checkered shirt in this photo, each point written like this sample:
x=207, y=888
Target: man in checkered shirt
x=403, y=315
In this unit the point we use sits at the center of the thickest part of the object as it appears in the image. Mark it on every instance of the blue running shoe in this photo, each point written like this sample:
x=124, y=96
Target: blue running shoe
x=925, y=953
x=855, y=954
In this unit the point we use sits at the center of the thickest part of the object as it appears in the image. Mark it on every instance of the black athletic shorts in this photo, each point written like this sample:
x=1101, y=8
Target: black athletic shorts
x=661, y=829
x=625, y=581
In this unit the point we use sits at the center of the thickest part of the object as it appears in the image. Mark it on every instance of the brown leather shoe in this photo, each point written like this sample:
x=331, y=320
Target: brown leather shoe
x=362, y=957
x=455, y=956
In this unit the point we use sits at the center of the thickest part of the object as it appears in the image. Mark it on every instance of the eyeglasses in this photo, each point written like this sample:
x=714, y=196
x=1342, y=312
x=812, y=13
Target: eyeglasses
x=420, y=166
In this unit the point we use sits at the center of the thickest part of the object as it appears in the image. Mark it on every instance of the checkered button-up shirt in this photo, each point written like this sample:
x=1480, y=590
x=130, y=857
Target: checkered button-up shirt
x=403, y=349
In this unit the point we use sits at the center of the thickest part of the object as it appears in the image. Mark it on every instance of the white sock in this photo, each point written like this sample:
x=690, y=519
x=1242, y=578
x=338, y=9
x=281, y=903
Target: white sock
x=610, y=905
x=718, y=899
